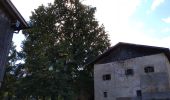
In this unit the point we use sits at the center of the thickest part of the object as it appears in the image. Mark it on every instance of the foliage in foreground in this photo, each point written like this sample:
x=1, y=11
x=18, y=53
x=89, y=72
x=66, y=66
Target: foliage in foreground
x=64, y=38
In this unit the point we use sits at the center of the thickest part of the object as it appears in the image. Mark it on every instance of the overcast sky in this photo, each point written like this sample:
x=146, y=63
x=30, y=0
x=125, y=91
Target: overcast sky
x=134, y=21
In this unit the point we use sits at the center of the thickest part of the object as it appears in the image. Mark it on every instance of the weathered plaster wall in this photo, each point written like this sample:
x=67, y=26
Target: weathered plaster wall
x=122, y=85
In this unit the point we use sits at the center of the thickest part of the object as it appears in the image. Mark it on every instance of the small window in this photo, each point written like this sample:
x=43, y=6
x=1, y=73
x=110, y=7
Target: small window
x=129, y=72
x=105, y=94
x=107, y=77
x=139, y=93
x=149, y=69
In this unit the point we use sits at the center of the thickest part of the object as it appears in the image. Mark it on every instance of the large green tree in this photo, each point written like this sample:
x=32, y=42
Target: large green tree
x=64, y=38
x=12, y=73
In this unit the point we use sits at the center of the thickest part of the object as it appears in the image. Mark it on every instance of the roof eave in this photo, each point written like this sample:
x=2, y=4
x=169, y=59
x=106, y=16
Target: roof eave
x=166, y=51
x=15, y=13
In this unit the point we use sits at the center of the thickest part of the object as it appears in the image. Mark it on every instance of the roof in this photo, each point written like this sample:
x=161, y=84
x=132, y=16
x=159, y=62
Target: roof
x=13, y=13
x=146, y=48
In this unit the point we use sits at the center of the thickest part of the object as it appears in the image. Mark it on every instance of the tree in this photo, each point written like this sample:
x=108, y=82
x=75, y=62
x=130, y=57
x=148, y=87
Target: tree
x=64, y=38
x=11, y=74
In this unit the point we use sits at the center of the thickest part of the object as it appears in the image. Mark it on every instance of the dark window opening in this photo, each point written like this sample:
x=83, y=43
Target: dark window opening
x=139, y=93
x=107, y=77
x=129, y=72
x=105, y=94
x=149, y=69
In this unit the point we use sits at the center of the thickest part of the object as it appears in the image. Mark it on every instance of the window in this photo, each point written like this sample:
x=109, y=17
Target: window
x=129, y=72
x=105, y=94
x=139, y=93
x=149, y=69
x=107, y=77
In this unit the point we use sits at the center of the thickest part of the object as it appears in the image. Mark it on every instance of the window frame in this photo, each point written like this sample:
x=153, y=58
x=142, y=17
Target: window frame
x=106, y=77
x=105, y=94
x=129, y=72
x=149, y=69
x=138, y=93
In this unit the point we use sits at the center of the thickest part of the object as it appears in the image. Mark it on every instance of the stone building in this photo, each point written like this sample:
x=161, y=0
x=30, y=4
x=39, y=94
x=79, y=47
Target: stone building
x=132, y=72
x=11, y=22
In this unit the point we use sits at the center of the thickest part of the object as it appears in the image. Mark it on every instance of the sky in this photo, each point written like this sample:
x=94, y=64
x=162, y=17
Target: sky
x=144, y=22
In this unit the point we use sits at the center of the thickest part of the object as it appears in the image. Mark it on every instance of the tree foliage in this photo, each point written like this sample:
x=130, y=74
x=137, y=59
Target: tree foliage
x=64, y=38
x=12, y=73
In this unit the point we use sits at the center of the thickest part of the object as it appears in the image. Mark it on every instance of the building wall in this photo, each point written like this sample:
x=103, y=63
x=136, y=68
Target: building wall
x=6, y=34
x=123, y=86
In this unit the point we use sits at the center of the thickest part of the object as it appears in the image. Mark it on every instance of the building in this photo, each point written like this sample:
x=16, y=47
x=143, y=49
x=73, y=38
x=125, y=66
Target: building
x=11, y=22
x=132, y=72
